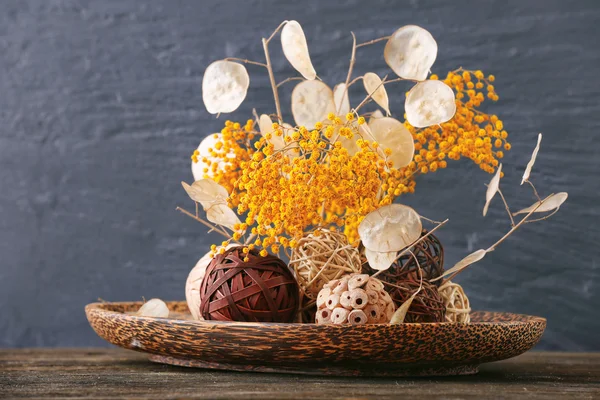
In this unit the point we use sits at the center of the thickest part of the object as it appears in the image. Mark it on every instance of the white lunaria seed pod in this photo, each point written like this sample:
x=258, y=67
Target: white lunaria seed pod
x=204, y=147
x=312, y=101
x=374, y=87
x=154, y=308
x=429, y=103
x=410, y=52
x=392, y=134
x=362, y=301
x=224, y=86
x=390, y=228
x=295, y=49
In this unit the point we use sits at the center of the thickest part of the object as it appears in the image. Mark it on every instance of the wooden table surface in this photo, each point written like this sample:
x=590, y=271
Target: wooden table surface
x=113, y=373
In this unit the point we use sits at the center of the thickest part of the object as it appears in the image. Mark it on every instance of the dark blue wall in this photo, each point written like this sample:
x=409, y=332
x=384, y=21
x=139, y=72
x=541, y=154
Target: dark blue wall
x=100, y=108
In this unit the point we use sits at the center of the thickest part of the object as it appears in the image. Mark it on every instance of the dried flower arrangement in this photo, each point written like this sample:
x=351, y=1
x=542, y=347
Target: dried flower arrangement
x=322, y=191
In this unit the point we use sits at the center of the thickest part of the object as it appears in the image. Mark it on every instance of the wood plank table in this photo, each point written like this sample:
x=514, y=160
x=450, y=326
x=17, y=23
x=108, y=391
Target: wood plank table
x=114, y=373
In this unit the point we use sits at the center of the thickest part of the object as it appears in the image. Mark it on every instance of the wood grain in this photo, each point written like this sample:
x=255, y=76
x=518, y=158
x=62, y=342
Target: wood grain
x=116, y=373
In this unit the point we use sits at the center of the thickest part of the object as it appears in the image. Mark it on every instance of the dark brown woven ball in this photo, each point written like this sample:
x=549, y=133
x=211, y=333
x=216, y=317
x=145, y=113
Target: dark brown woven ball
x=427, y=306
x=260, y=290
x=430, y=254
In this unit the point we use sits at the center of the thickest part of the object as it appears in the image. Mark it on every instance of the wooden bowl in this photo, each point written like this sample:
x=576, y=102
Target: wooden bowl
x=370, y=350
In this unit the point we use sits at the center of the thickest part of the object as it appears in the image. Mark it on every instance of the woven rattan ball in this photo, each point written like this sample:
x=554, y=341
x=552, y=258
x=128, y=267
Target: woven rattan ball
x=262, y=289
x=430, y=256
x=319, y=259
x=427, y=306
x=354, y=299
x=456, y=302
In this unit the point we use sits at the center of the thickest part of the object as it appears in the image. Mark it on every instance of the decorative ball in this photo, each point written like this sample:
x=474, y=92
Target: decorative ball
x=430, y=256
x=307, y=311
x=263, y=289
x=427, y=306
x=192, y=286
x=354, y=299
x=456, y=302
x=321, y=258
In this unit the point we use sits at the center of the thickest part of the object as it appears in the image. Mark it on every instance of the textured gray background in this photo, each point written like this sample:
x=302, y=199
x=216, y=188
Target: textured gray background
x=100, y=108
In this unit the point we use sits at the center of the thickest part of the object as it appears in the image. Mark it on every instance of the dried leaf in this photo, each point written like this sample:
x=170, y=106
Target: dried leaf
x=341, y=99
x=221, y=214
x=224, y=86
x=410, y=52
x=400, y=313
x=550, y=203
x=380, y=261
x=492, y=189
x=206, y=192
x=390, y=228
x=295, y=49
x=206, y=144
x=154, y=308
x=429, y=103
x=311, y=102
x=376, y=89
x=532, y=161
x=462, y=264
x=391, y=133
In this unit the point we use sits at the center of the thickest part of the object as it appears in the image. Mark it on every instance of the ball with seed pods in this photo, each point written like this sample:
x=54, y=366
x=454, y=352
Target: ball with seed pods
x=354, y=299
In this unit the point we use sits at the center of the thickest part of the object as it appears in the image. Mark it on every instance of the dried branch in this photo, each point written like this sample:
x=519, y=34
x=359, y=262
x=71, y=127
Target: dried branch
x=208, y=224
x=370, y=42
x=245, y=61
x=293, y=78
x=512, y=221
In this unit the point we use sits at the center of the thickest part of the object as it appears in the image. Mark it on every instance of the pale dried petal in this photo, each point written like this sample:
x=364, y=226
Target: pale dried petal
x=429, y=103
x=295, y=49
x=341, y=99
x=532, y=161
x=311, y=102
x=492, y=189
x=550, y=203
x=265, y=125
x=154, y=308
x=410, y=52
x=224, y=86
x=400, y=314
x=376, y=89
x=221, y=214
x=380, y=261
x=206, y=192
x=462, y=264
x=207, y=143
x=390, y=228
x=391, y=133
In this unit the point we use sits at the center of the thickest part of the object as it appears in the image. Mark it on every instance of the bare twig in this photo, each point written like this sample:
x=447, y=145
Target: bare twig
x=370, y=42
x=534, y=190
x=276, y=30
x=245, y=61
x=512, y=221
x=209, y=225
x=293, y=78
x=265, y=43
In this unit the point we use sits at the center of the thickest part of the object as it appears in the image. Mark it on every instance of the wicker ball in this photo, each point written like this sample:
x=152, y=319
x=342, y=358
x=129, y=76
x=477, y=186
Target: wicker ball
x=427, y=306
x=317, y=260
x=260, y=290
x=430, y=256
x=456, y=302
x=354, y=299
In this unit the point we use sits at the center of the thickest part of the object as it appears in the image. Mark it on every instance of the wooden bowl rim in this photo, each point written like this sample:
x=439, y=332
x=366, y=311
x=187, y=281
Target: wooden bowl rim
x=108, y=309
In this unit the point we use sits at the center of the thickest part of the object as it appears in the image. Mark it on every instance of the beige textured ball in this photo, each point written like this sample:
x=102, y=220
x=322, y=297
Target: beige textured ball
x=354, y=299
x=320, y=259
x=192, y=286
x=456, y=302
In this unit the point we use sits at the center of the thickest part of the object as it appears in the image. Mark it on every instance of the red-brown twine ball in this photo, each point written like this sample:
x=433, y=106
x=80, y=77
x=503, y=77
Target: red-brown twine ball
x=263, y=289
x=427, y=306
x=430, y=256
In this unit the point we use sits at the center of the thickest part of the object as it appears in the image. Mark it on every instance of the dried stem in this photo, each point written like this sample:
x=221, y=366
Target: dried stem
x=265, y=43
x=352, y=59
x=245, y=61
x=512, y=221
x=534, y=190
x=293, y=78
x=370, y=42
x=276, y=30
x=383, y=82
x=209, y=225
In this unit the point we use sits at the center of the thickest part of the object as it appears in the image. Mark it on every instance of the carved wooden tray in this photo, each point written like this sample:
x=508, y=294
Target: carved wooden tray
x=369, y=350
